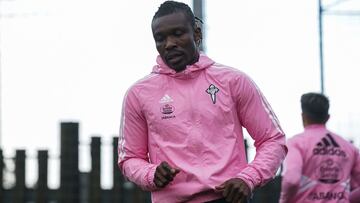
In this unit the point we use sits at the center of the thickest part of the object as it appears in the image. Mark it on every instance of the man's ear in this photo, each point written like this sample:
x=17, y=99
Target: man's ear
x=304, y=119
x=327, y=118
x=197, y=35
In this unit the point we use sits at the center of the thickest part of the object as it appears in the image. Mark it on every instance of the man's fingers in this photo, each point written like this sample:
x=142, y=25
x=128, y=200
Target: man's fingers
x=220, y=188
x=176, y=171
x=237, y=197
x=232, y=192
x=164, y=174
x=226, y=191
x=160, y=177
x=158, y=183
x=171, y=170
x=166, y=166
x=229, y=193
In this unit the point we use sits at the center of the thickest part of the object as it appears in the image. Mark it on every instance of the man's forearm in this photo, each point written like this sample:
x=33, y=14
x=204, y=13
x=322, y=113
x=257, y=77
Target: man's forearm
x=267, y=160
x=139, y=172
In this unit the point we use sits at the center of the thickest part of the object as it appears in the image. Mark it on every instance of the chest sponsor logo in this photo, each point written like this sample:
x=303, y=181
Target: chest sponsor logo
x=328, y=146
x=212, y=90
x=329, y=172
x=314, y=196
x=167, y=111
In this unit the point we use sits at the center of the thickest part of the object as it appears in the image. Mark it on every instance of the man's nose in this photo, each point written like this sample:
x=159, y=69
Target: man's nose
x=170, y=43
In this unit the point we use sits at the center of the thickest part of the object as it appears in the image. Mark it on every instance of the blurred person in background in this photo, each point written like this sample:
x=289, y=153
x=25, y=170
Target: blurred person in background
x=181, y=133
x=320, y=166
x=355, y=195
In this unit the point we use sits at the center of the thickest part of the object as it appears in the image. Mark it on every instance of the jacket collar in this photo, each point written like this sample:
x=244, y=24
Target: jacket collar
x=190, y=71
x=315, y=126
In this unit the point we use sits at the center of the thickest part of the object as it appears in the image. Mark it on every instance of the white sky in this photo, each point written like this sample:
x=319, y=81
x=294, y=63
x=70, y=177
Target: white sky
x=72, y=60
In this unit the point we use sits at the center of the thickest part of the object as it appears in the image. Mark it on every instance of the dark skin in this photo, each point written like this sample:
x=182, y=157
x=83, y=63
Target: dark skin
x=234, y=190
x=164, y=174
x=177, y=42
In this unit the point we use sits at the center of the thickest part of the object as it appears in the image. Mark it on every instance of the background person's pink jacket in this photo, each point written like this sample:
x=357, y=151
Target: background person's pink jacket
x=355, y=196
x=193, y=120
x=323, y=166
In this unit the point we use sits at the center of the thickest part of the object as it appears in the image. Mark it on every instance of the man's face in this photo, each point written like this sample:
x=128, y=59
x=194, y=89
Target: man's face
x=175, y=40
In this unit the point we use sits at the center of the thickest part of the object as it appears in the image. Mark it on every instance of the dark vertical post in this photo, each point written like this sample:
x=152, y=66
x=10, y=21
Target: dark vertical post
x=139, y=195
x=1, y=176
x=41, y=186
x=95, y=188
x=19, y=190
x=321, y=47
x=198, y=12
x=118, y=180
x=69, y=170
x=246, y=149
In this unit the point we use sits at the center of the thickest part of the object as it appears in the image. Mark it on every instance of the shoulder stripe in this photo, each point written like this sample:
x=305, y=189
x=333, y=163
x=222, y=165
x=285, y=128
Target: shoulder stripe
x=121, y=141
x=268, y=108
x=332, y=140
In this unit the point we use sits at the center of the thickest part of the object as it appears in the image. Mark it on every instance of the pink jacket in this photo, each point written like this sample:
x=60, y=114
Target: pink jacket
x=355, y=196
x=320, y=167
x=193, y=120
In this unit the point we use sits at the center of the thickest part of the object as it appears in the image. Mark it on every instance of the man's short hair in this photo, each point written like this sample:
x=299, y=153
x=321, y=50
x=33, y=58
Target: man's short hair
x=170, y=7
x=315, y=106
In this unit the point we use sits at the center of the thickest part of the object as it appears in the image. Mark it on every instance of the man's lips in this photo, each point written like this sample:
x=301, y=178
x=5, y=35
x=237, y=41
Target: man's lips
x=174, y=58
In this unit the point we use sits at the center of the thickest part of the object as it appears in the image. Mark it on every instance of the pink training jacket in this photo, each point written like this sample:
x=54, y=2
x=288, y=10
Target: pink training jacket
x=320, y=167
x=355, y=196
x=193, y=120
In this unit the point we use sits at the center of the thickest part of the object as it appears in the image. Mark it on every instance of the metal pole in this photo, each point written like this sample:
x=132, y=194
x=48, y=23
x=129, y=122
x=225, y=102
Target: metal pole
x=0, y=93
x=321, y=46
x=0, y=102
x=198, y=12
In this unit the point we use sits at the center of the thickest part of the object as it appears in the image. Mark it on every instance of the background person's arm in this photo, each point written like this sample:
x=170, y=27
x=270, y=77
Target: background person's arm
x=355, y=179
x=355, y=196
x=291, y=173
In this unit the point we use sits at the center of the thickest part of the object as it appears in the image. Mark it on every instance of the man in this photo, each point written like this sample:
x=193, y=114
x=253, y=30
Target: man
x=355, y=196
x=181, y=132
x=320, y=165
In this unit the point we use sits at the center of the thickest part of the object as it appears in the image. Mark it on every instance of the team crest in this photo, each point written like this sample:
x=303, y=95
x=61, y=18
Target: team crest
x=167, y=109
x=212, y=90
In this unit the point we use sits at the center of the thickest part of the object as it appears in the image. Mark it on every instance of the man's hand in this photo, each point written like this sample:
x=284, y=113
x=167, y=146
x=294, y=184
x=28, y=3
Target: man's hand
x=234, y=190
x=164, y=174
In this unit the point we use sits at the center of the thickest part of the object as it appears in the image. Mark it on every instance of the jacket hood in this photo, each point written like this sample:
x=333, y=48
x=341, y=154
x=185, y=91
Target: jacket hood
x=190, y=70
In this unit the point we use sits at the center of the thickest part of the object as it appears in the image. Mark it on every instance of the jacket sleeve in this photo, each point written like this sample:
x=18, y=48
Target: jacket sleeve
x=292, y=171
x=256, y=115
x=355, y=196
x=355, y=172
x=133, y=158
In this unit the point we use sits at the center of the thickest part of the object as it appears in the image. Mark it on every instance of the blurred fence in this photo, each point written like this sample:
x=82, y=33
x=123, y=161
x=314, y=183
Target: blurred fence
x=85, y=187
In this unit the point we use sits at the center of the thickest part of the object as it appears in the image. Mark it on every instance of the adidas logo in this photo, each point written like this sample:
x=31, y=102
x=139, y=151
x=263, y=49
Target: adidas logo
x=328, y=146
x=165, y=99
x=327, y=141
